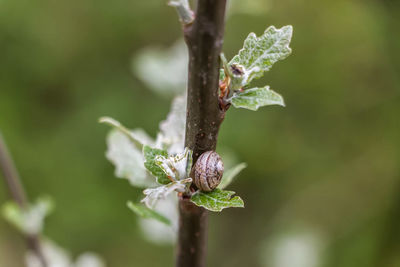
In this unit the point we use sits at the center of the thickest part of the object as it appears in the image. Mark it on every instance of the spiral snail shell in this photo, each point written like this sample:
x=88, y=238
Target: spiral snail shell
x=208, y=171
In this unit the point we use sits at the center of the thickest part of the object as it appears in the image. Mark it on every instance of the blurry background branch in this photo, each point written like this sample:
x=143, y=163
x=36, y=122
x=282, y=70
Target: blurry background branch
x=17, y=193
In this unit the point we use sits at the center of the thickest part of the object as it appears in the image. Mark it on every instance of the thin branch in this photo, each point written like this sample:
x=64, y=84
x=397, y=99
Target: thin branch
x=185, y=14
x=11, y=175
x=204, y=38
x=17, y=193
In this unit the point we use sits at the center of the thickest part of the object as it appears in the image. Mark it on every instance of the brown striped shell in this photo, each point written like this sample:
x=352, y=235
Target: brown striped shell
x=208, y=171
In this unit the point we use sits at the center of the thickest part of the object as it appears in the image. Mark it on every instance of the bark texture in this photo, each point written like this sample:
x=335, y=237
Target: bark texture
x=204, y=38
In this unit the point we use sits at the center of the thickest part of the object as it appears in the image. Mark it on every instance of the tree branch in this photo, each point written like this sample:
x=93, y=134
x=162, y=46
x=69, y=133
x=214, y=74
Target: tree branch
x=17, y=192
x=11, y=176
x=204, y=38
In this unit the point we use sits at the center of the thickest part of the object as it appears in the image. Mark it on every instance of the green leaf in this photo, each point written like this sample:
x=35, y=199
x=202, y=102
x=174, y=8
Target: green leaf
x=147, y=213
x=256, y=97
x=230, y=174
x=259, y=54
x=124, y=150
x=149, y=156
x=14, y=215
x=161, y=192
x=217, y=200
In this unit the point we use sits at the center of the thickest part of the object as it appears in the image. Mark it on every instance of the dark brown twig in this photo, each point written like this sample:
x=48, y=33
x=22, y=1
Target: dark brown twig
x=17, y=193
x=204, y=39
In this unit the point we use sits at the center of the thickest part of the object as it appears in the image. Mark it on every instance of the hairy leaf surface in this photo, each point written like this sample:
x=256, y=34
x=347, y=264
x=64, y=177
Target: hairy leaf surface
x=176, y=167
x=256, y=97
x=128, y=159
x=172, y=129
x=260, y=53
x=161, y=192
x=217, y=200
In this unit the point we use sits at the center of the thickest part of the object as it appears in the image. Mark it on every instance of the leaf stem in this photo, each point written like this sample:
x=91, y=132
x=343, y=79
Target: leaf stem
x=113, y=123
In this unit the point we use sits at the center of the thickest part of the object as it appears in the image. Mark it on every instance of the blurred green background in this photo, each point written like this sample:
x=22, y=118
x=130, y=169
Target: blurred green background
x=322, y=187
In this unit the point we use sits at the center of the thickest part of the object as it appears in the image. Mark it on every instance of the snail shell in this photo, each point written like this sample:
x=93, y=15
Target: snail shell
x=208, y=171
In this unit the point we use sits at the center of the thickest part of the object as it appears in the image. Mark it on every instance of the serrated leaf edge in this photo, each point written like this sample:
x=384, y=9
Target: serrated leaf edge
x=231, y=193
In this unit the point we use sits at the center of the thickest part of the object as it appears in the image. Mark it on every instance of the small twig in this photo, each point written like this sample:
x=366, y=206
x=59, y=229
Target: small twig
x=186, y=15
x=11, y=176
x=17, y=192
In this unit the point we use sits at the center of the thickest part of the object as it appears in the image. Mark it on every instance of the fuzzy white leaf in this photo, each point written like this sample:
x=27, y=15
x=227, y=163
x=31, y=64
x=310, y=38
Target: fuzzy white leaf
x=164, y=70
x=117, y=125
x=176, y=167
x=147, y=213
x=161, y=192
x=172, y=130
x=157, y=232
x=128, y=159
x=125, y=146
x=260, y=53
